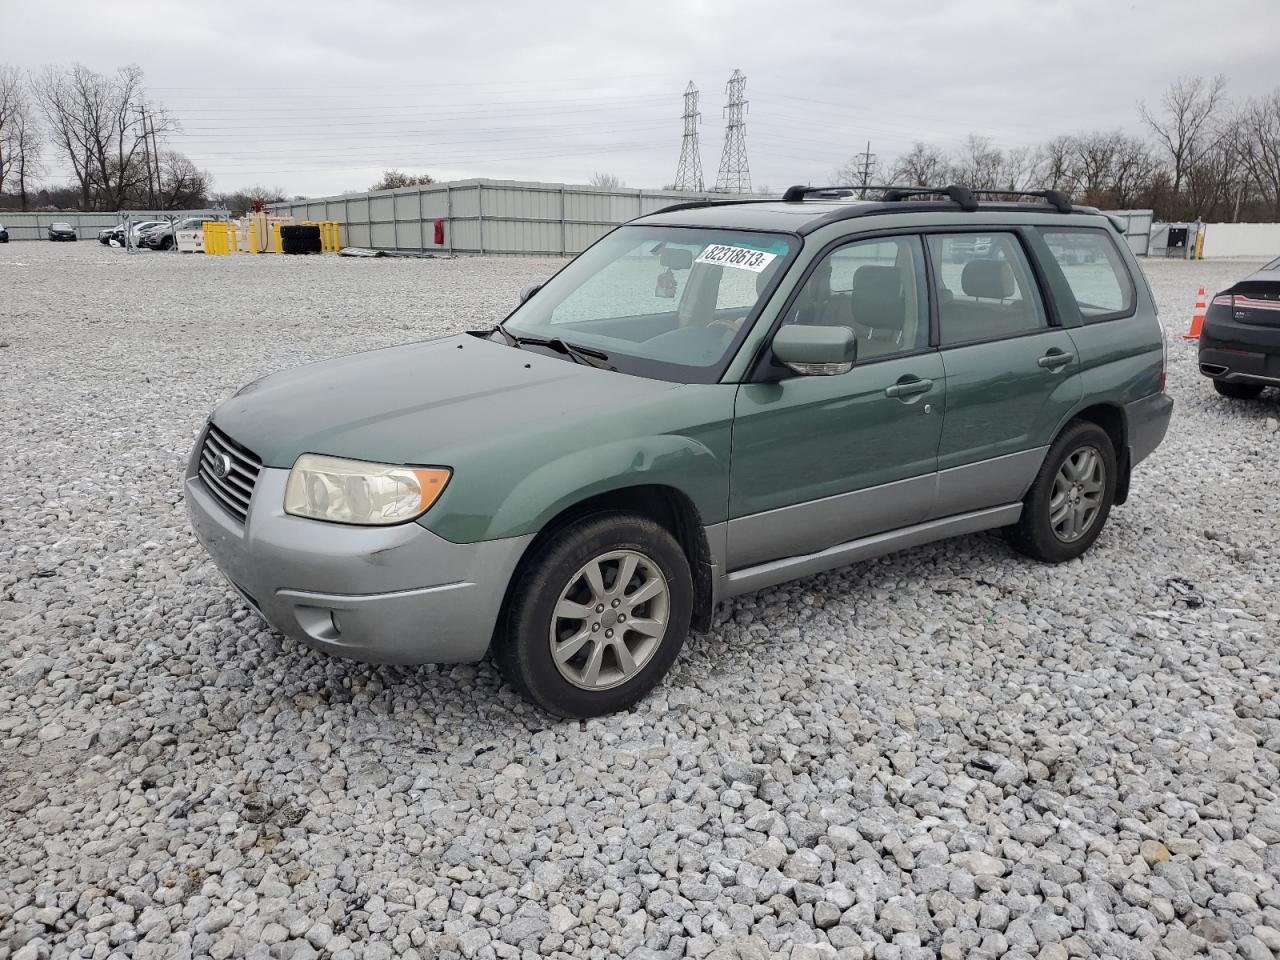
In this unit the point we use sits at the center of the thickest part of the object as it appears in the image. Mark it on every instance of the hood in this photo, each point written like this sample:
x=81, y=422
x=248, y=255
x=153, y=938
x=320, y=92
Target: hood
x=420, y=403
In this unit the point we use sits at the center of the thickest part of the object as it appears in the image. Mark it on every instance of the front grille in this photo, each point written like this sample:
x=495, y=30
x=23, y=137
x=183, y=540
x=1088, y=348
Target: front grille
x=233, y=490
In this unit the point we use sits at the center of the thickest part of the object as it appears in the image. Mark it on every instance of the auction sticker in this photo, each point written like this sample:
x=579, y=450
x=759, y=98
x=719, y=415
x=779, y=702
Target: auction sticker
x=720, y=254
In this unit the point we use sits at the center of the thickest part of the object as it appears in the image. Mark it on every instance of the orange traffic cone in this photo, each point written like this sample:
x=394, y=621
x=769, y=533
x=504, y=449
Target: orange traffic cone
x=1197, y=318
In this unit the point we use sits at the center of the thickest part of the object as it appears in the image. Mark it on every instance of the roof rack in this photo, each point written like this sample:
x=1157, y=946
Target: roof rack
x=965, y=197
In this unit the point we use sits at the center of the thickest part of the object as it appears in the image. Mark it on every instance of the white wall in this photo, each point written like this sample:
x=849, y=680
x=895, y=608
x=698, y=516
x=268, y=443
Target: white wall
x=1241, y=240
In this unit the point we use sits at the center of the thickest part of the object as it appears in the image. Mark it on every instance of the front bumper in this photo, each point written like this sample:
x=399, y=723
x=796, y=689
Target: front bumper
x=395, y=594
x=1147, y=421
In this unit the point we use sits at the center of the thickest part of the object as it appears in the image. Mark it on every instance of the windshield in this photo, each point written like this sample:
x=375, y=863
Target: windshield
x=664, y=302
x=1273, y=265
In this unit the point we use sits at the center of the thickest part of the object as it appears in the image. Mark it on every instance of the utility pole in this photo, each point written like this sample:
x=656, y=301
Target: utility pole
x=146, y=155
x=864, y=179
x=689, y=169
x=734, y=175
x=155, y=148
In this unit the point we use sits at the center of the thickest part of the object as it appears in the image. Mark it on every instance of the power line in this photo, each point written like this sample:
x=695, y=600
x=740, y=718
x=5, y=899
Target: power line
x=689, y=169
x=734, y=175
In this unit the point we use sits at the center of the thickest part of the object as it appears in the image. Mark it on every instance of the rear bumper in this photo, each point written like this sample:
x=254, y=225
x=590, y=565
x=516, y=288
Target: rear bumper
x=1240, y=352
x=1147, y=421
x=396, y=594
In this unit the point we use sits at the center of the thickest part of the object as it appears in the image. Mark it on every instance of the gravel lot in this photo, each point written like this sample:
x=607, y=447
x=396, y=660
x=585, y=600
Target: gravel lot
x=952, y=752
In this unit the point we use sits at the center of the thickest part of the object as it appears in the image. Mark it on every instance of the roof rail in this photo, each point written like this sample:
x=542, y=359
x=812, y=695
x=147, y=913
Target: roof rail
x=962, y=196
x=1057, y=199
x=695, y=204
x=800, y=191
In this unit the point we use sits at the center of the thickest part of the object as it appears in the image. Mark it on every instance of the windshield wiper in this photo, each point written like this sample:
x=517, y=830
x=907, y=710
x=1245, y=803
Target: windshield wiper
x=500, y=330
x=592, y=358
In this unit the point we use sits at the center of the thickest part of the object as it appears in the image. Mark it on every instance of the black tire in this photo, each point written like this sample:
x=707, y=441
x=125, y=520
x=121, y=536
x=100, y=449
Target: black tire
x=166, y=243
x=523, y=643
x=1034, y=534
x=1238, y=391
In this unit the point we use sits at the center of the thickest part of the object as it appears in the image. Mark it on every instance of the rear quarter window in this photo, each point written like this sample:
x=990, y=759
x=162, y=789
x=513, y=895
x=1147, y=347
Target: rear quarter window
x=1097, y=276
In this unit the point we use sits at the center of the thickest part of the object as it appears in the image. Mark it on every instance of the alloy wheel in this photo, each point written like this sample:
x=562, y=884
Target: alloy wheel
x=609, y=620
x=1077, y=494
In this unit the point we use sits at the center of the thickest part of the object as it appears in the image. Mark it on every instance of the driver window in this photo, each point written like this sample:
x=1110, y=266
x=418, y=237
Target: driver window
x=877, y=288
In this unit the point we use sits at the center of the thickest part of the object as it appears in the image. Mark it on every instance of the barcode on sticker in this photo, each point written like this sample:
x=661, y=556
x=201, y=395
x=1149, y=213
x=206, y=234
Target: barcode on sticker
x=720, y=254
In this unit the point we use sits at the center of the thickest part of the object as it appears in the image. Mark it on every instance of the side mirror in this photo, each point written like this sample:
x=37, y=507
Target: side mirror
x=529, y=291
x=815, y=351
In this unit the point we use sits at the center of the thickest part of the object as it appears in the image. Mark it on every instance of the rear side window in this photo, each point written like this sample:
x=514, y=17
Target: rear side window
x=1098, y=278
x=984, y=286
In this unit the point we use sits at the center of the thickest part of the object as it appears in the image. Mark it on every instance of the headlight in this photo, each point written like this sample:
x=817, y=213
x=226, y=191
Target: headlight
x=353, y=491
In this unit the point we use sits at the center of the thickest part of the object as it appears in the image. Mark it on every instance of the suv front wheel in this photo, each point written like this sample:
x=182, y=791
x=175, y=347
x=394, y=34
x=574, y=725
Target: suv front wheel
x=597, y=617
x=1067, y=505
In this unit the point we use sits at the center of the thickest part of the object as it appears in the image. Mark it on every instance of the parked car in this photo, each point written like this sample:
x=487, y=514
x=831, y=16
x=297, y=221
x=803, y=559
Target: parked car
x=161, y=236
x=4, y=234
x=1240, y=340
x=712, y=399
x=62, y=231
x=107, y=234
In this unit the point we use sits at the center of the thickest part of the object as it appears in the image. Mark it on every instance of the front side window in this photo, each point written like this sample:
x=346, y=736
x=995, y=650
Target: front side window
x=666, y=302
x=1097, y=276
x=985, y=287
x=874, y=287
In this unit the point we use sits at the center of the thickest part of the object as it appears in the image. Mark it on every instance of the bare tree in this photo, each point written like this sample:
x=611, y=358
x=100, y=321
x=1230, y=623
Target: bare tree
x=1018, y=169
x=182, y=184
x=1184, y=123
x=97, y=127
x=610, y=181
x=20, y=142
x=924, y=165
x=1260, y=148
x=12, y=95
x=1055, y=168
x=978, y=164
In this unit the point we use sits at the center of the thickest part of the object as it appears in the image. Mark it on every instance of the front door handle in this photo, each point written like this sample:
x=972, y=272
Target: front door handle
x=1055, y=359
x=908, y=388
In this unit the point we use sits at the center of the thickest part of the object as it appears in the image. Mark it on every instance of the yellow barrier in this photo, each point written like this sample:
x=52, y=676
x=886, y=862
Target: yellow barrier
x=330, y=241
x=253, y=236
x=276, y=244
x=215, y=238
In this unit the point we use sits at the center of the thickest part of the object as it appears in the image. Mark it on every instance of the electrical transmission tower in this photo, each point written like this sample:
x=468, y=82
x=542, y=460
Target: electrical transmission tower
x=868, y=162
x=734, y=175
x=689, y=170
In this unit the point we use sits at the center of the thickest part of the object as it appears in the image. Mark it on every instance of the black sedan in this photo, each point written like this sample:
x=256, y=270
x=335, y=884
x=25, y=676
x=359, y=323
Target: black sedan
x=4, y=234
x=62, y=231
x=1240, y=342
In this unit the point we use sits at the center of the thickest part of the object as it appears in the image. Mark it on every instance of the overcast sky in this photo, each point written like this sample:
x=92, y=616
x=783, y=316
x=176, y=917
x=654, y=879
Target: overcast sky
x=319, y=96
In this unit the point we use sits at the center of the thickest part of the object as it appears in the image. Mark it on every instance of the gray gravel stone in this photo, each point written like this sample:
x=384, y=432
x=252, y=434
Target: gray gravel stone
x=946, y=752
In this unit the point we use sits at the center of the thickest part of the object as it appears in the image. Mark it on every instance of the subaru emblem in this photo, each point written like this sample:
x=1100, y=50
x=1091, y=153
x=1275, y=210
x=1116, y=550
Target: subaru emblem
x=221, y=466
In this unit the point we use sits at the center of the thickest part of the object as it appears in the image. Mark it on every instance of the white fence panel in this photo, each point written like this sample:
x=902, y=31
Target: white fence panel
x=1241, y=240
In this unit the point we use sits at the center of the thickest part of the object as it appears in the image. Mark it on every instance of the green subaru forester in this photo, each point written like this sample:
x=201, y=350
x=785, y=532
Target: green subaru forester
x=712, y=399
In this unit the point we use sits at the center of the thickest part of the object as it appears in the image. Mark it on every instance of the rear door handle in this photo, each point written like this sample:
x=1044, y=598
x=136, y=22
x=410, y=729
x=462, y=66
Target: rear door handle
x=1055, y=359
x=908, y=388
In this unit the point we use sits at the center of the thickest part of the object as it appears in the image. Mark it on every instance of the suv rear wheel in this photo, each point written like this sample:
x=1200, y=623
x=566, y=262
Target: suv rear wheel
x=597, y=617
x=1238, y=391
x=1068, y=503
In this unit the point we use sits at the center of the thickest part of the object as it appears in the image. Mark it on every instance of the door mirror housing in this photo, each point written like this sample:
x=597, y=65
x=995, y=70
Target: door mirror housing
x=529, y=291
x=815, y=351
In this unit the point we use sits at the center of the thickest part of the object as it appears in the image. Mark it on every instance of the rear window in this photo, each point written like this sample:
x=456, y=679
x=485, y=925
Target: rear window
x=1098, y=278
x=984, y=286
